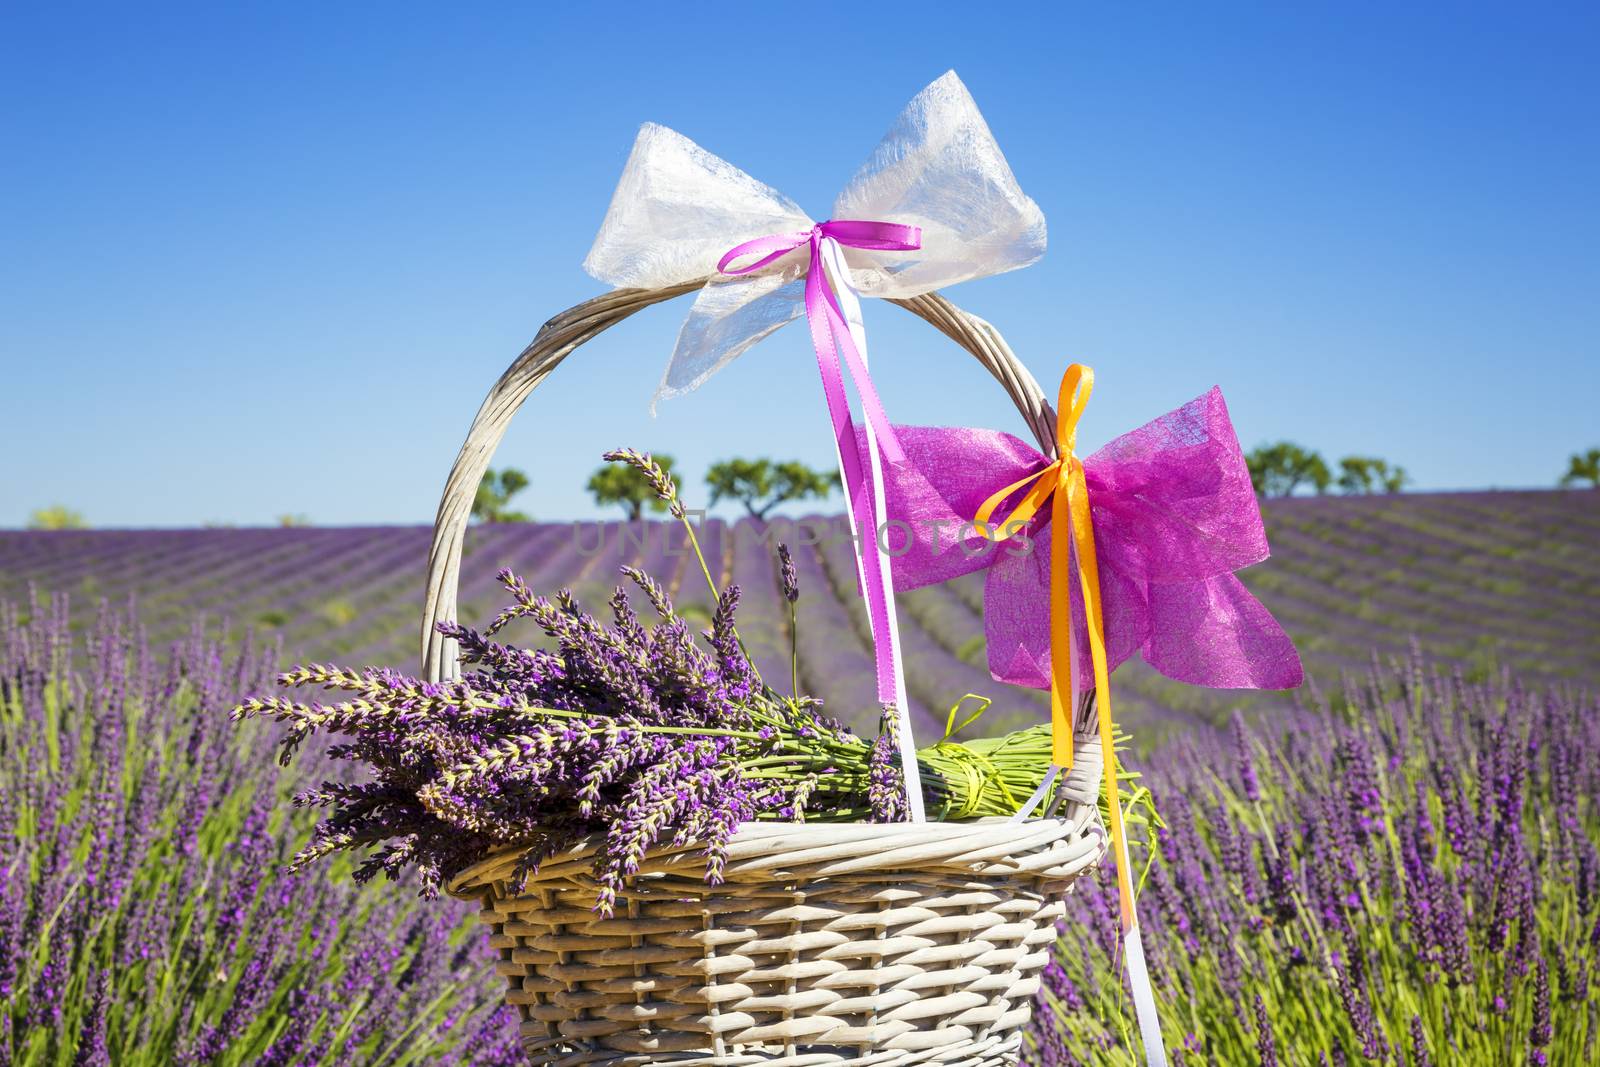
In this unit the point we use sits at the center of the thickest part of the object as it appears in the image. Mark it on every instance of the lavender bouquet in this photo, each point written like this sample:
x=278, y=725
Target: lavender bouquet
x=637, y=736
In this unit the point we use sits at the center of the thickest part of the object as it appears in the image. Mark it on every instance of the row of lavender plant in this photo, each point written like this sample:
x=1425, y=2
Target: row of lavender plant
x=834, y=663
x=1348, y=574
x=1525, y=544
x=145, y=914
x=1412, y=878
x=1338, y=615
x=1412, y=581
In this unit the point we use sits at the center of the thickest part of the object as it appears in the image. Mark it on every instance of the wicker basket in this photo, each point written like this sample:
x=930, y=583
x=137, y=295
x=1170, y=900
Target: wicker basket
x=826, y=943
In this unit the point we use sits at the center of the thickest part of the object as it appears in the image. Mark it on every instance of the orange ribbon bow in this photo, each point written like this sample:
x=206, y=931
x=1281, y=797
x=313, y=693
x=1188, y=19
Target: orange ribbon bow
x=1063, y=484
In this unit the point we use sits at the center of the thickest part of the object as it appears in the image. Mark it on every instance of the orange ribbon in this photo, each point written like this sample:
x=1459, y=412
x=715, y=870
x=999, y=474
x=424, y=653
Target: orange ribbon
x=1069, y=511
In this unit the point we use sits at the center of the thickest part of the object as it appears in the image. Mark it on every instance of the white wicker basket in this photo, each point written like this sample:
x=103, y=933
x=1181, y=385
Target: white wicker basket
x=826, y=943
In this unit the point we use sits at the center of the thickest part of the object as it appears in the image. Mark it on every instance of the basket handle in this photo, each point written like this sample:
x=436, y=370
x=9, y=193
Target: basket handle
x=557, y=339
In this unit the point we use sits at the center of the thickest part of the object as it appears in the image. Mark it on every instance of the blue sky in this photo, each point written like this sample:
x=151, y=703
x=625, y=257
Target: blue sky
x=264, y=258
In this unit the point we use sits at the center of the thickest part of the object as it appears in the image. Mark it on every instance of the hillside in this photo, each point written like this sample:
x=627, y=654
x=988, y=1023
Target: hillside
x=1481, y=579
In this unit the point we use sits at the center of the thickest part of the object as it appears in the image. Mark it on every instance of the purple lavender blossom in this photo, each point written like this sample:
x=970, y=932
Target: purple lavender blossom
x=144, y=914
x=1541, y=1032
x=886, y=792
x=627, y=732
x=1244, y=761
x=1417, y=846
x=654, y=473
x=788, y=575
x=1420, y=1057
x=1266, y=1043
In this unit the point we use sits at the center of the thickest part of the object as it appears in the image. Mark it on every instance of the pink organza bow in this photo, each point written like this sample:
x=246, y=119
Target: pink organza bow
x=1174, y=516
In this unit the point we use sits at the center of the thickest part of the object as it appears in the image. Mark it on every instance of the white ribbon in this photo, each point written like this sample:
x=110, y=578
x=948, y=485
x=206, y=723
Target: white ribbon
x=678, y=208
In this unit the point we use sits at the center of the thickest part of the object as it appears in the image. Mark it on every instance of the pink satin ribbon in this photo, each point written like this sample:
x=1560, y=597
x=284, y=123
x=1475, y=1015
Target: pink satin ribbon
x=830, y=336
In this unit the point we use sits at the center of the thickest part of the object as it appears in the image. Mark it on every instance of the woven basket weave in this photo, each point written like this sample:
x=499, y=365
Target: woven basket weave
x=826, y=943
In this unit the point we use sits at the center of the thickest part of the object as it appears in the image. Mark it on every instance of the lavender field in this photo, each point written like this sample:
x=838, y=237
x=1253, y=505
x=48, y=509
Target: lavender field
x=1493, y=597
x=1482, y=580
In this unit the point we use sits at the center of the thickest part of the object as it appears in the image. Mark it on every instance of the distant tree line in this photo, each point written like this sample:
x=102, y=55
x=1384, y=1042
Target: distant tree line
x=1283, y=468
x=760, y=485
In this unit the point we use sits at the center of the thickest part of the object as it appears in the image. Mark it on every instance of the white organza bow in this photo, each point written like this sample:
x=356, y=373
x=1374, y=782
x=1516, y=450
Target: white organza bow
x=678, y=209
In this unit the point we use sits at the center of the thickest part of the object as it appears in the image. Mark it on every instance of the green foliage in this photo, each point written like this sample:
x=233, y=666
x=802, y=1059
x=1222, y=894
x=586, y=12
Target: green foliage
x=1279, y=469
x=695, y=613
x=338, y=612
x=57, y=517
x=289, y=520
x=495, y=490
x=621, y=483
x=1368, y=474
x=762, y=484
x=1583, y=468
x=1282, y=468
x=974, y=650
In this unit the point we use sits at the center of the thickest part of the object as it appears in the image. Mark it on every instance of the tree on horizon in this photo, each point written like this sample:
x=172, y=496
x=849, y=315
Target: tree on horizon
x=1582, y=467
x=624, y=484
x=495, y=490
x=1369, y=474
x=763, y=484
x=57, y=517
x=1280, y=468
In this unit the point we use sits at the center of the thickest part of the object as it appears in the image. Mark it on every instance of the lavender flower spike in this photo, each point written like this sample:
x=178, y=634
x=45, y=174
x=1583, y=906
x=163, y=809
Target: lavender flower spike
x=790, y=578
x=660, y=481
